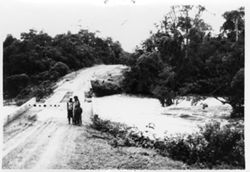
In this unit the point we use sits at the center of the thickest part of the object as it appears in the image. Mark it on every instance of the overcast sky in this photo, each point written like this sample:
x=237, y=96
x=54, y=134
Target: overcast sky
x=124, y=21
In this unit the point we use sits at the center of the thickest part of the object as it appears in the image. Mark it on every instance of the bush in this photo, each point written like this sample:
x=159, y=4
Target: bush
x=61, y=68
x=42, y=91
x=20, y=102
x=15, y=83
x=115, y=129
x=54, y=75
x=143, y=76
x=213, y=146
x=237, y=96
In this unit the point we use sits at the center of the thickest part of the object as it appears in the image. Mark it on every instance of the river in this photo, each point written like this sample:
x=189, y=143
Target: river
x=179, y=118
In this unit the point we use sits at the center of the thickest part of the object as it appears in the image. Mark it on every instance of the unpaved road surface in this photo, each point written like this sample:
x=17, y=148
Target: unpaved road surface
x=48, y=141
x=42, y=138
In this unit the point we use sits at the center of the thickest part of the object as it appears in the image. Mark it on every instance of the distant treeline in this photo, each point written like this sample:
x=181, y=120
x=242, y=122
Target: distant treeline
x=33, y=62
x=183, y=57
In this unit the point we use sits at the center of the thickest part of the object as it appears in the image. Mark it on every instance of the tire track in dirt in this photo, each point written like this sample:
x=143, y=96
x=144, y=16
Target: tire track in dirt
x=65, y=149
x=16, y=133
x=20, y=125
x=15, y=154
x=23, y=137
x=34, y=152
x=47, y=156
x=51, y=143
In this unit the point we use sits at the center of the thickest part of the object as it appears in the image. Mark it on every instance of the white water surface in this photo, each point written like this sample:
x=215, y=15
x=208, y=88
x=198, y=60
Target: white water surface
x=178, y=118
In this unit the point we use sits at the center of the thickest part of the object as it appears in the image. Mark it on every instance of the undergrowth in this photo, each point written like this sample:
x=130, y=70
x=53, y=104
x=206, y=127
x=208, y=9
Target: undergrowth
x=214, y=146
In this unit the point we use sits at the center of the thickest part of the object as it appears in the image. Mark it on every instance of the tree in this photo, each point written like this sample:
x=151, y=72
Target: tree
x=234, y=26
x=61, y=68
x=8, y=40
x=45, y=58
x=15, y=83
x=143, y=76
x=192, y=60
x=236, y=98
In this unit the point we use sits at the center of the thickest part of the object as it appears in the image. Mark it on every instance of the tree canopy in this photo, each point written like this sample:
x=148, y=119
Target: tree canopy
x=43, y=58
x=182, y=57
x=193, y=59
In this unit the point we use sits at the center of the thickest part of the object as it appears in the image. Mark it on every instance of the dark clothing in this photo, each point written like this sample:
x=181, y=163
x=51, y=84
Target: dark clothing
x=77, y=104
x=70, y=113
x=78, y=116
x=70, y=110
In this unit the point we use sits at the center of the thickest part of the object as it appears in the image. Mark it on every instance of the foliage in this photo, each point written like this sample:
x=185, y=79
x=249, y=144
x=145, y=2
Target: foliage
x=192, y=60
x=45, y=58
x=234, y=25
x=115, y=129
x=214, y=145
x=143, y=75
x=40, y=91
x=237, y=96
x=61, y=68
x=15, y=83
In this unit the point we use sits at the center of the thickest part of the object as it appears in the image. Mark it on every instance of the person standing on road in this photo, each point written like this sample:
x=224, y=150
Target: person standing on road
x=76, y=105
x=76, y=102
x=78, y=116
x=70, y=110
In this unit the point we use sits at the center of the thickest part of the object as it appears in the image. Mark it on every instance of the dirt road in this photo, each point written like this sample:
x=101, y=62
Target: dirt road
x=49, y=140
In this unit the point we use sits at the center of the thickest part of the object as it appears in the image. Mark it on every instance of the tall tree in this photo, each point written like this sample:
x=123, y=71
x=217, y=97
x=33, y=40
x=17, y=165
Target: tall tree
x=234, y=26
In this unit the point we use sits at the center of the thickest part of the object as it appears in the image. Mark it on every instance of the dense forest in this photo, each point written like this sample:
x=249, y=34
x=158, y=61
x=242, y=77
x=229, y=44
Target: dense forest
x=36, y=60
x=184, y=57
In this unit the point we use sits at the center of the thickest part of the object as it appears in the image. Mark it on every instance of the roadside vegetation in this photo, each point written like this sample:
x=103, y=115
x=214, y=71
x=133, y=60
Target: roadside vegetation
x=184, y=57
x=33, y=63
x=213, y=147
x=94, y=151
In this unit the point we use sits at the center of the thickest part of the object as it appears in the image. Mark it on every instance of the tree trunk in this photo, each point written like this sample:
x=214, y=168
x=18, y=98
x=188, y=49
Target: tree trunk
x=236, y=30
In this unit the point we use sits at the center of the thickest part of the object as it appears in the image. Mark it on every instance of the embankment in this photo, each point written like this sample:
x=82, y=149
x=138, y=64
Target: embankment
x=19, y=111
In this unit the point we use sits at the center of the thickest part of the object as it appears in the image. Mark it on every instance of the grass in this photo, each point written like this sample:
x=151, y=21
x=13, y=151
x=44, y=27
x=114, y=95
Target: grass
x=214, y=147
x=94, y=151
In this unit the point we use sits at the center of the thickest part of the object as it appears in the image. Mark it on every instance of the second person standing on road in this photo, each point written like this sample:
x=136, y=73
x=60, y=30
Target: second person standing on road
x=76, y=105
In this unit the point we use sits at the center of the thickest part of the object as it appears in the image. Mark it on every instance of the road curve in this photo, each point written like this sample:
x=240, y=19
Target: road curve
x=48, y=143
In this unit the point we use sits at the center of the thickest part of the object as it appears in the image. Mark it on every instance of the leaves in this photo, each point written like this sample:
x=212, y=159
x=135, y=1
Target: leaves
x=38, y=55
x=192, y=59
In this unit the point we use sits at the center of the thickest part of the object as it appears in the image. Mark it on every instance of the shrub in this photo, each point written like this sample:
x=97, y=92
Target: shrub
x=114, y=128
x=143, y=76
x=61, y=68
x=213, y=146
x=15, y=83
x=20, y=102
x=42, y=91
x=237, y=96
x=54, y=75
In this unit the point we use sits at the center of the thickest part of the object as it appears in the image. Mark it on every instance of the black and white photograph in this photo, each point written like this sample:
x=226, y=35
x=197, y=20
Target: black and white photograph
x=123, y=85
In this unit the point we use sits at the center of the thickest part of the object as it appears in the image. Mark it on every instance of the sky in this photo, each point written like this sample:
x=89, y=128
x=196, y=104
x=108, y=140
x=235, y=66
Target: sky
x=126, y=21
